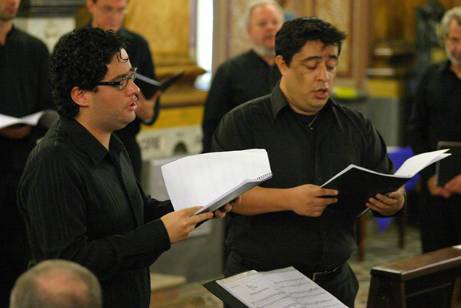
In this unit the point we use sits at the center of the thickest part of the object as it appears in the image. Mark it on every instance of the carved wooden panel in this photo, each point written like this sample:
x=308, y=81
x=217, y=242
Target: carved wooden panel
x=169, y=27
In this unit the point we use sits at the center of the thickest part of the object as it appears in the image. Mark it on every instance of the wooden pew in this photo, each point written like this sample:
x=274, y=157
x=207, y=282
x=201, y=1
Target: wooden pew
x=429, y=280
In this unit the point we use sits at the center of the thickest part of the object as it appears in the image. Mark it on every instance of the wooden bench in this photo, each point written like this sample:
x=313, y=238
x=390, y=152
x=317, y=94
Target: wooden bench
x=427, y=280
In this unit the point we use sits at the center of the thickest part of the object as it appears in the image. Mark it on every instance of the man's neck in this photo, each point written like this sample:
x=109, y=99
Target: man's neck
x=102, y=136
x=265, y=55
x=5, y=28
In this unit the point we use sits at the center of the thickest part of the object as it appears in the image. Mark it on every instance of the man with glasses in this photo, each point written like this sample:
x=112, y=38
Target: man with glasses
x=109, y=15
x=24, y=90
x=78, y=193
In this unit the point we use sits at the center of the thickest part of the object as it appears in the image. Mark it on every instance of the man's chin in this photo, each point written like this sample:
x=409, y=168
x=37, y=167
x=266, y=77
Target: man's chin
x=264, y=51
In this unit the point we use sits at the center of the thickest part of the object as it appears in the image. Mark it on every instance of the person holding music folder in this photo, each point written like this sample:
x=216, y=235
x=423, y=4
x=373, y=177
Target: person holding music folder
x=109, y=15
x=24, y=90
x=290, y=220
x=435, y=118
x=78, y=194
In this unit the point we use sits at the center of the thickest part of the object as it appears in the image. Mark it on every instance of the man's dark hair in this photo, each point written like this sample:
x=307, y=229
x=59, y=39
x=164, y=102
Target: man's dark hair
x=80, y=59
x=291, y=38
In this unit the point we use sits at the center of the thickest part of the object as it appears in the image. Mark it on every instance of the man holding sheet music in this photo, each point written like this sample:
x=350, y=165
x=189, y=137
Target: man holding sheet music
x=435, y=120
x=78, y=193
x=290, y=220
x=24, y=90
x=109, y=15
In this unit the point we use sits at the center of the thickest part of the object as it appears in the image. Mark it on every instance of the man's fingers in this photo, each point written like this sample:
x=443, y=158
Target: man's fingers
x=201, y=217
x=191, y=210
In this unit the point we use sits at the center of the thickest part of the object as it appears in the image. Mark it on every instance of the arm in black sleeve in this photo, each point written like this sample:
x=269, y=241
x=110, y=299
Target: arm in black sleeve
x=154, y=209
x=217, y=105
x=418, y=134
x=52, y=196
x=147, y=68
x=44, y=88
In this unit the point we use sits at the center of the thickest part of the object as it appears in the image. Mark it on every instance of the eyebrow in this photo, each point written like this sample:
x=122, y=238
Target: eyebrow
x=330, y=57
x=120, y=76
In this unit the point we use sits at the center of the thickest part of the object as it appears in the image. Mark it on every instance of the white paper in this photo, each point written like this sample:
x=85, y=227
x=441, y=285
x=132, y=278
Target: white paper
x=31, y=119
x=407, y=170
x=205, y=179
x=285, y=287
x=418, y=162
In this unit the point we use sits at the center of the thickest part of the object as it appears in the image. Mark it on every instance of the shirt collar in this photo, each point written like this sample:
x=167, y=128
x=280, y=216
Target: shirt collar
x=279, y=102
x=445, y=67
x=83, y=140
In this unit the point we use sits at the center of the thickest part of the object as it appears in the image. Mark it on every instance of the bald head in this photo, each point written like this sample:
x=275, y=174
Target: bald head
x=57, y=283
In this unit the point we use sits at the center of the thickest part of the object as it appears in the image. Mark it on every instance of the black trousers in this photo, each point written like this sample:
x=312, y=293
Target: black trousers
x=440, y=222
x=13, y=245
x=342, y=284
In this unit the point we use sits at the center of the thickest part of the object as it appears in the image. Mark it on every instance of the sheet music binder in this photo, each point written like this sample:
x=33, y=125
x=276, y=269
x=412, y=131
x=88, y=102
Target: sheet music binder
x=223, y=295
x=160, y=85
x=451, y=166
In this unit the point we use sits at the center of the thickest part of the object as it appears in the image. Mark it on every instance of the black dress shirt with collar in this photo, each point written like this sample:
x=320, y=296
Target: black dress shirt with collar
x=436, y=111
x=301, y=150
x=82, y=202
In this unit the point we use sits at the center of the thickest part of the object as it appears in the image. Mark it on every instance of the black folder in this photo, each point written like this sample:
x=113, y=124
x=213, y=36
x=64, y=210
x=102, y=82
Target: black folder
x=449, y=167
x=160, y=85
x=223, y=295
x=357, y=185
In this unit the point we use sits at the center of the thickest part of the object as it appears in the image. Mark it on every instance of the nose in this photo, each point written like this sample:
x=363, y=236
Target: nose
x=322, y=73
x=133, y=88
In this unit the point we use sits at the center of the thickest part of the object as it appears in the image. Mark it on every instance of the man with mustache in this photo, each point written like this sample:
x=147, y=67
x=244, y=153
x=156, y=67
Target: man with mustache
x=248, y=75
x=435, y=117
x=24, y=90
x=290, y=220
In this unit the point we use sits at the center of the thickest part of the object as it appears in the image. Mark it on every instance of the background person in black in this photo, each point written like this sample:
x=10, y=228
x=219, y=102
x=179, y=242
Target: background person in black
x=24, y=89
x=435, y=117
x=108, y=15
x=57, y=284
x=248, y=75
x=290, y=220
x=78, y=193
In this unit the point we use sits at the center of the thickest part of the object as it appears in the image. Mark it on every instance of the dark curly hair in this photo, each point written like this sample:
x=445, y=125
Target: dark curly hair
x=291, y=38
x=80, y=59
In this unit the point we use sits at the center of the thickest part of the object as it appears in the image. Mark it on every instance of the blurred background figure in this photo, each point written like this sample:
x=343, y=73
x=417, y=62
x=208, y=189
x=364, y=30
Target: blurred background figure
x=24, y=90
x=435, y=117
x=248, y=75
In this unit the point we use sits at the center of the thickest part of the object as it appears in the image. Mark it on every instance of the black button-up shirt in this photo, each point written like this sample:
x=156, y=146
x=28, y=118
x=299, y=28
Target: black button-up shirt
x=81, y=202
x=24, y=89
x=301, y=150
x=236, y=81
x=436, y=111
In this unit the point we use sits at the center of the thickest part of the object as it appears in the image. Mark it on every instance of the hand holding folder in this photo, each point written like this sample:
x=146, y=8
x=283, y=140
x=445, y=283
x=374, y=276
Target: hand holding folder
x=214, y=179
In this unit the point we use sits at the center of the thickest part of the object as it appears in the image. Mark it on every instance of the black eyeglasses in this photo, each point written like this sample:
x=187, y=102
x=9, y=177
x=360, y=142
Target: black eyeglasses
x=121, y=83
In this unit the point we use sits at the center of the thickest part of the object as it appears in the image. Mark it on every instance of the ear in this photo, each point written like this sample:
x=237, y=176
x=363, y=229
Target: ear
x=281, y=64
x=80, y=97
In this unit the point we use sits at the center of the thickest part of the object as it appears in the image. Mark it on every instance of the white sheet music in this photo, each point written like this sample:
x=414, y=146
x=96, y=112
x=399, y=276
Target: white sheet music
x=205, y=179
x=31, y=119
x=285, y=287
x=418, y=162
